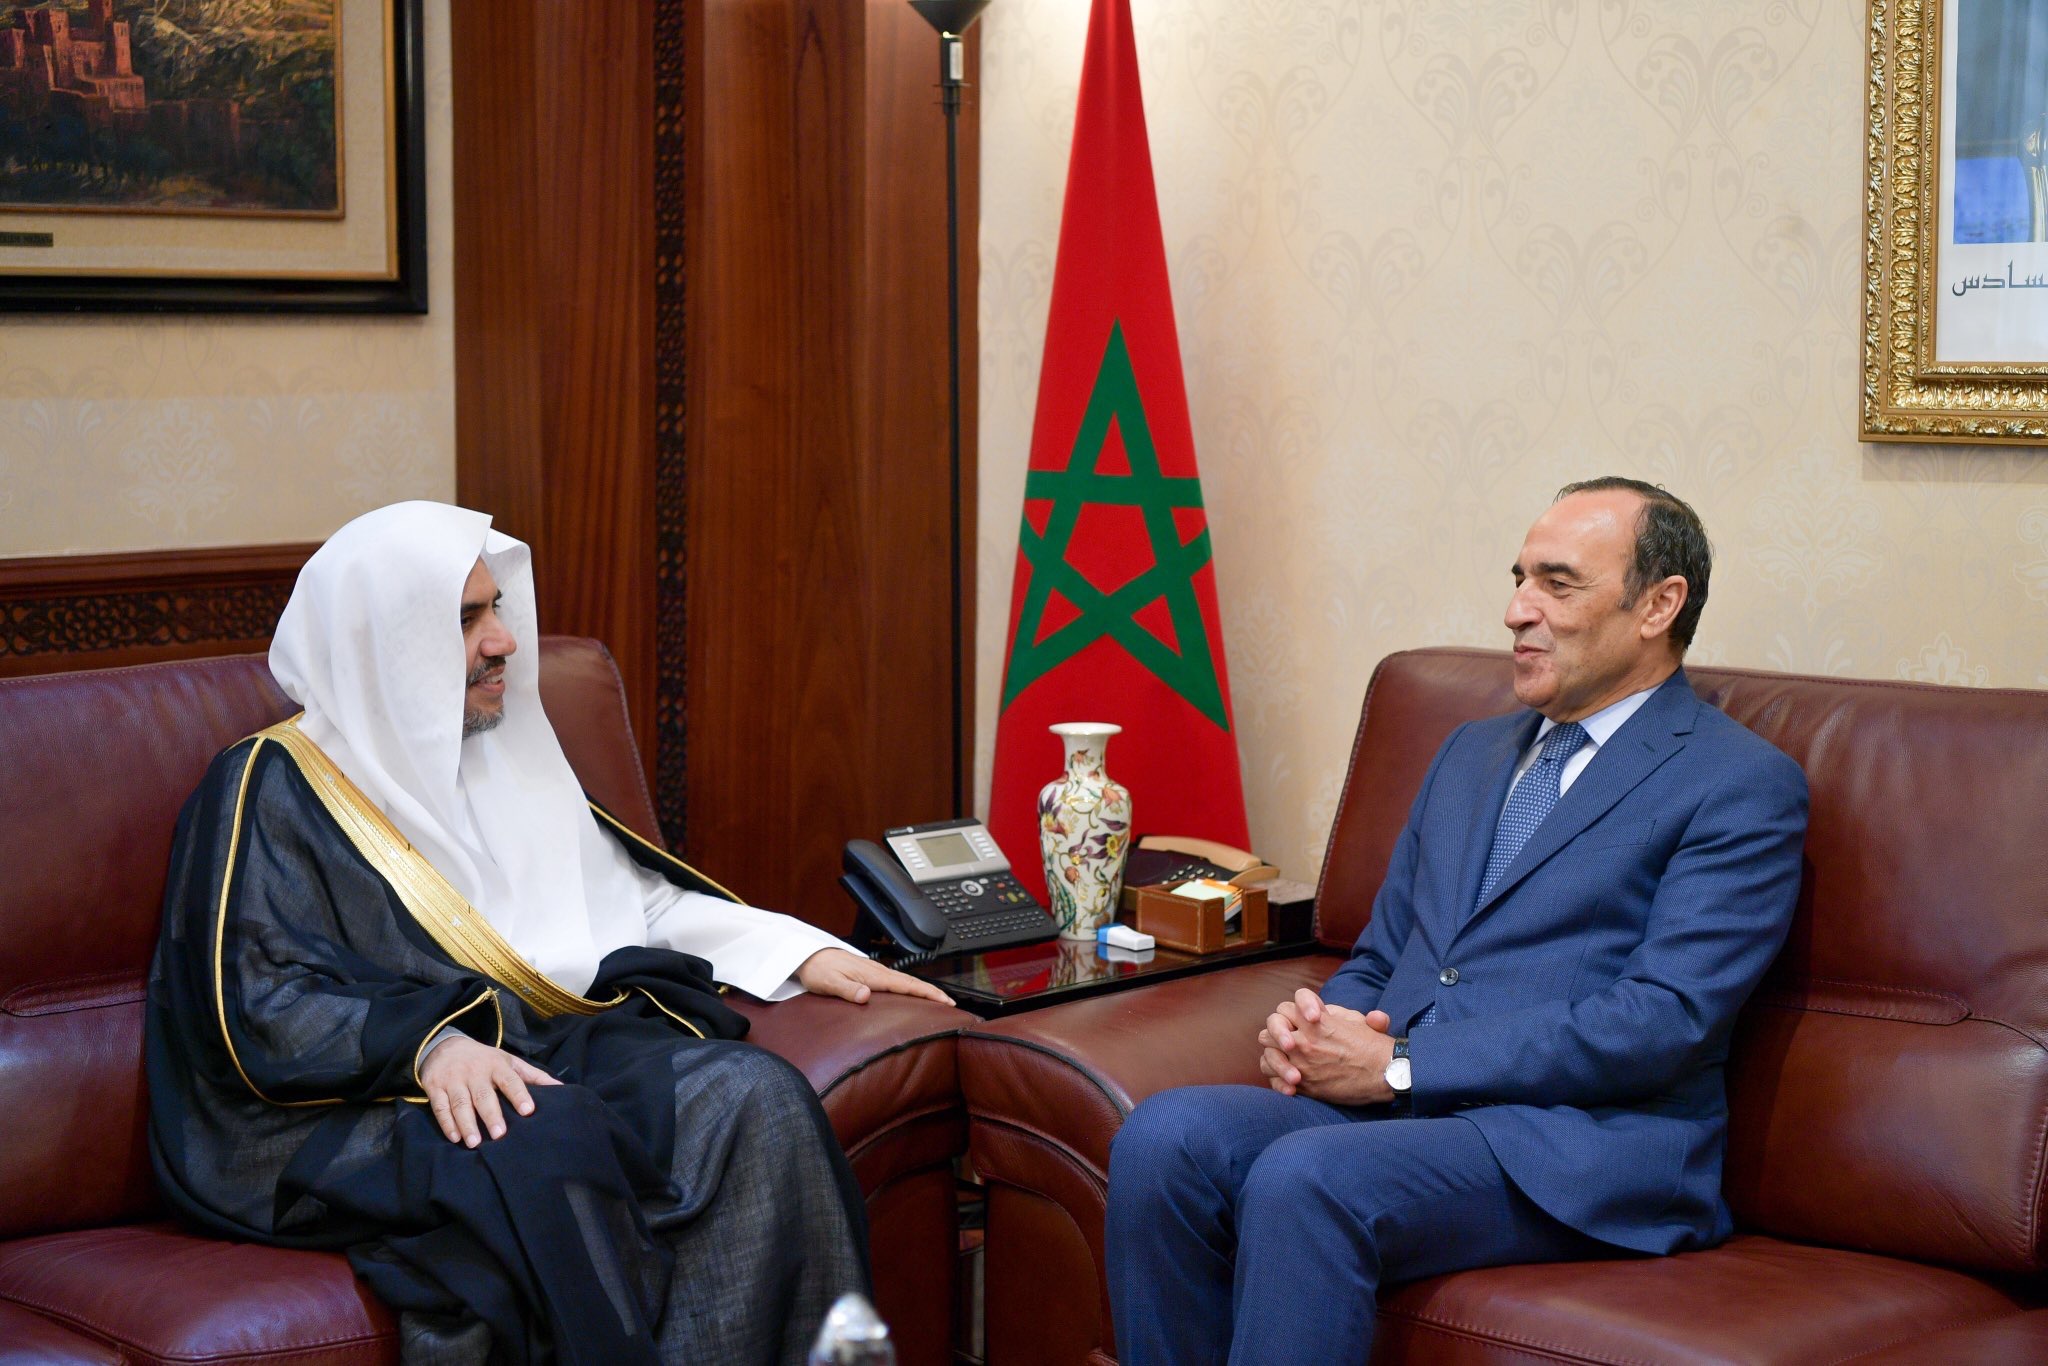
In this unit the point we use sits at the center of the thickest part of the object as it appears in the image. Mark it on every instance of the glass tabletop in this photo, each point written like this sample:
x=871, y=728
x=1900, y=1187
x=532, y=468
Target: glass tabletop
x=1002, y=981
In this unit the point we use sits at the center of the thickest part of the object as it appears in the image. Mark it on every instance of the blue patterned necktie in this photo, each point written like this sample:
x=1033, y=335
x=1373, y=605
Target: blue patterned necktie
x=1533, y=799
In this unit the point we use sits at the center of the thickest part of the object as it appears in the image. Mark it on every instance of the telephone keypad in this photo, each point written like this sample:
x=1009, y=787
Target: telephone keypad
x=985, y=906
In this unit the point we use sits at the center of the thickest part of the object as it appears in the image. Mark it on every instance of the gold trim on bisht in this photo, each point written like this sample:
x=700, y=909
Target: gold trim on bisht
x=220, y=930
x=458, y=927
x=489, y=994
x=681, y=1020
x=615, y=823
x=627, y=832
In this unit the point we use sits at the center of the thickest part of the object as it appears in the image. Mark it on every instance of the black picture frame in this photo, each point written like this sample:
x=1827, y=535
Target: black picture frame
x=406, y=292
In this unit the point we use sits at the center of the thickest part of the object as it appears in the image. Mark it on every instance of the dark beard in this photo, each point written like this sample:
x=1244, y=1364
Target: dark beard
x=477, y=722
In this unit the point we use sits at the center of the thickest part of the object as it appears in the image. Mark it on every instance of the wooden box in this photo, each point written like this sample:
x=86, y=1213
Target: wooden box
x=1197, y=926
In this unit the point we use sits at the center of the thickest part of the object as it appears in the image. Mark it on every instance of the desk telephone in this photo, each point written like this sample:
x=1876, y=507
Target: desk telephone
x=1176, y=858
x=943, y=888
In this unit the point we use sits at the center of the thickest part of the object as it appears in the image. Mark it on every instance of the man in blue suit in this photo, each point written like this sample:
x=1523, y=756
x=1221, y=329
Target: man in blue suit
x=1522, y=1059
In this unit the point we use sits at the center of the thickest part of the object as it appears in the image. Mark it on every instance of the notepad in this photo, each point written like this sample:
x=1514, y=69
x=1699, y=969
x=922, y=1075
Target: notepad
x=1214, y=889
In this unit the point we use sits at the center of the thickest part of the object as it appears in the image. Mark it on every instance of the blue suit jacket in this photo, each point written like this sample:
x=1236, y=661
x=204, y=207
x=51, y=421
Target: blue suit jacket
x=1587, y=1027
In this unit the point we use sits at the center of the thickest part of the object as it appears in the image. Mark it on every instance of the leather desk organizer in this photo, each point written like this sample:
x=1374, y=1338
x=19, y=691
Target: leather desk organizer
x=1180, y=922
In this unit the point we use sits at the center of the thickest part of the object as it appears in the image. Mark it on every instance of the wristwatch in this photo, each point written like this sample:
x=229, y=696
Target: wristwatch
x=1397, y=1070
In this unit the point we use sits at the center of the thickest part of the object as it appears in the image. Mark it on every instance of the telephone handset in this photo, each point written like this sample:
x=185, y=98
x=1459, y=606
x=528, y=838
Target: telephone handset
x=1176, y=858
x=879, y=886
x=943, y=888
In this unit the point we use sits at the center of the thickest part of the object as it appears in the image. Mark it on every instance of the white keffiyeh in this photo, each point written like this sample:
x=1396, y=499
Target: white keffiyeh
x=371, y=645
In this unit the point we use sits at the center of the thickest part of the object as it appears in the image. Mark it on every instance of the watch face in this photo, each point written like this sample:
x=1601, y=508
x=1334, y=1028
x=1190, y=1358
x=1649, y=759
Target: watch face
x=1397, y=1074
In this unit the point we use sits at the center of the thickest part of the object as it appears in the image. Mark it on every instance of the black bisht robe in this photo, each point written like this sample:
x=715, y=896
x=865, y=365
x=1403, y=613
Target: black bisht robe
x=680, y=1197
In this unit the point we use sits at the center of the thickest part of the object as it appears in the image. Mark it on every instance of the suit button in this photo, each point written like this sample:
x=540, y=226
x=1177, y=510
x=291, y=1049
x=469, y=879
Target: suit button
x=1449, y=977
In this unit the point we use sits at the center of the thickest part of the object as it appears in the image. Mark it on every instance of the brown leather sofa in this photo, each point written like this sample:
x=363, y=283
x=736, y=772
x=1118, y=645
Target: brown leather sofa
x=93, y=769
x=1888, y=1157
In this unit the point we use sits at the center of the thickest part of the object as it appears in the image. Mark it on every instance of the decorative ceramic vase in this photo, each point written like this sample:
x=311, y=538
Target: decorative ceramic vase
x=1084, y=833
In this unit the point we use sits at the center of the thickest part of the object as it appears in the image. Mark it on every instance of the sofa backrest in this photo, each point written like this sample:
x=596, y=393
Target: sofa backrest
x=93, y=769
x=1888, y=1087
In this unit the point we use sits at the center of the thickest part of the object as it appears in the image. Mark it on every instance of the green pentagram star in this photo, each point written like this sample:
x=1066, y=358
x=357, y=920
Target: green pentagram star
x=1191, y=673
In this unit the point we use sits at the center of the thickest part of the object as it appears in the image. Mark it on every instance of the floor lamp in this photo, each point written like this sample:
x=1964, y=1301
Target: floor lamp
x=952, y=18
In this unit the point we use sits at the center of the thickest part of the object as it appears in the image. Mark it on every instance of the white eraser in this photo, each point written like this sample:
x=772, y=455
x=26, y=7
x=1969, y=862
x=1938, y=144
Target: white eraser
x=1123, y=937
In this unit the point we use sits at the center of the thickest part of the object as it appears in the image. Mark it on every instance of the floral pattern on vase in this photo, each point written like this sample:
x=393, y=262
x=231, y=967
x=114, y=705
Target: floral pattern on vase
x=1084, y=832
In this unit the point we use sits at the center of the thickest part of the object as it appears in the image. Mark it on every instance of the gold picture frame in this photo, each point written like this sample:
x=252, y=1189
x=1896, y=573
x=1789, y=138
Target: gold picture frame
x=366, y=253
x=1953, y=348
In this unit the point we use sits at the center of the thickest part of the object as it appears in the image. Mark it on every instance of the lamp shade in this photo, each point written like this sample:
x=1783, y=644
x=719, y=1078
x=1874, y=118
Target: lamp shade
x=950, y=16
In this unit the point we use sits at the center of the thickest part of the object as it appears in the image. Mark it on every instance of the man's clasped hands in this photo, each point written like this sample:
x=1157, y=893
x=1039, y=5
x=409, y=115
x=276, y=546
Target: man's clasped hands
x=1327, y=1052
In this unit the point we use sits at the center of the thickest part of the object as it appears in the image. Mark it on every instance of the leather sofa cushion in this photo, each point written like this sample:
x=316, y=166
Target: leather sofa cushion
x=1753, y=1299
x=585, y=701
x=1071, y=1073
x=29, y=1339
x=166, y=1296
x=1988, y=1342
x=76, y=1151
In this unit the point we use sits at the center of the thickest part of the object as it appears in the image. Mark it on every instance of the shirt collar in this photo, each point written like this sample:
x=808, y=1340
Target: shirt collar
x=1602, y=724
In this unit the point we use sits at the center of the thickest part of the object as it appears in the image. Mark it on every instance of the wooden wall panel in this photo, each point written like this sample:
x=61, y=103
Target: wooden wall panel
x=554, y=299
x=819, y=633
x=905, y=314
x=800, y=575
x=65, y=612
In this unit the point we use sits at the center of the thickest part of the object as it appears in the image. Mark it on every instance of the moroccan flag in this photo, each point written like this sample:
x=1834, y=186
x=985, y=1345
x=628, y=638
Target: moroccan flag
x=1113, y=609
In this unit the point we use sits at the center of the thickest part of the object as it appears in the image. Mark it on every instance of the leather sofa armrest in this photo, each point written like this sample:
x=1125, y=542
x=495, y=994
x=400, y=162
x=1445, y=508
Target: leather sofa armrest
x=1071, y=1073
x=875, y=1065
x=888, y=1074
x=1047, y=1091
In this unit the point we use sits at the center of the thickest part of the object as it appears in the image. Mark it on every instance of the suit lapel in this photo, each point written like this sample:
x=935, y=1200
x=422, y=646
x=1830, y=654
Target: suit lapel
x=1655, y=733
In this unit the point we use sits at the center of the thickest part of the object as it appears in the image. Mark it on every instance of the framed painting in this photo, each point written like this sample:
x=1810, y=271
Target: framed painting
x=1956, y=222
x=212, y=156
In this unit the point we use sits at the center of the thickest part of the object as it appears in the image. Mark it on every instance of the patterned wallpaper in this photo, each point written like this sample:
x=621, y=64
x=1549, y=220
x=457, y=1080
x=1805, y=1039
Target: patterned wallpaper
x=137, y=433
x=1434, y=258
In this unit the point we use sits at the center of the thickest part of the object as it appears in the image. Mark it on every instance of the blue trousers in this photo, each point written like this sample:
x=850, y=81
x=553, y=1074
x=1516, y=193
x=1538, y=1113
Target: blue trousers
x=1257, y=1228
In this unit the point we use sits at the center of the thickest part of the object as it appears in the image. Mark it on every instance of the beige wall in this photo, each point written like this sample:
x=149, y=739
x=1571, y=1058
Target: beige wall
x=136, y=433
x=1433, y=258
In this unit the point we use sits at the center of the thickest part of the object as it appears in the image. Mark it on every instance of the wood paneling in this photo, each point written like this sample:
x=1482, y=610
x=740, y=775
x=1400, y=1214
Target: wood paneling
x=64, y=612
x=554, y=300
x=798, y=564
x=819, y=631
x=905, y=314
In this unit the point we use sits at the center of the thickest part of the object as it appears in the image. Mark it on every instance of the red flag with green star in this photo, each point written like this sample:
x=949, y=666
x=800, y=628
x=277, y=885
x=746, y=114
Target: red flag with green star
x=1113, y=609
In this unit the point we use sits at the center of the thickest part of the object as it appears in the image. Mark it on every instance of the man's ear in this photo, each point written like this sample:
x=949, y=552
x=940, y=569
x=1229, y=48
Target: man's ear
x=1664, y=602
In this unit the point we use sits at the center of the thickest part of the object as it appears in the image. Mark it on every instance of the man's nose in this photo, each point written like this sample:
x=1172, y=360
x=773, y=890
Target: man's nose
x=499, y=641
x=1520, y=611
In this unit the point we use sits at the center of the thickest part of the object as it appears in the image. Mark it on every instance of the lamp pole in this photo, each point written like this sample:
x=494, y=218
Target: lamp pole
x=952, y=19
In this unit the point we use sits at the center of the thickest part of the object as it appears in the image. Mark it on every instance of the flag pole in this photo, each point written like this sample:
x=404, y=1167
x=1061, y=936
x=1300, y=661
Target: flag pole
x=952, y=18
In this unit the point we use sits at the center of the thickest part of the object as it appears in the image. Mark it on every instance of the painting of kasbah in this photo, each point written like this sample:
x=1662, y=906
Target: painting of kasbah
x=170, y=106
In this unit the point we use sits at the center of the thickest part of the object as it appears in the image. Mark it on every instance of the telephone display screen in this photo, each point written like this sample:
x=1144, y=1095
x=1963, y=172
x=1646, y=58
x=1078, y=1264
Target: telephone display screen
x=946, y=850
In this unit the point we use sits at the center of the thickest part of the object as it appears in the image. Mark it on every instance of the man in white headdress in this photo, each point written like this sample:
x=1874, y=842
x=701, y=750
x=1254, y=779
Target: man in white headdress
x=418, y=998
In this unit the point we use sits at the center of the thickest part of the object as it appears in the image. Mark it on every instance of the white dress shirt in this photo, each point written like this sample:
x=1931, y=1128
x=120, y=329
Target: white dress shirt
x=1600, y=728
